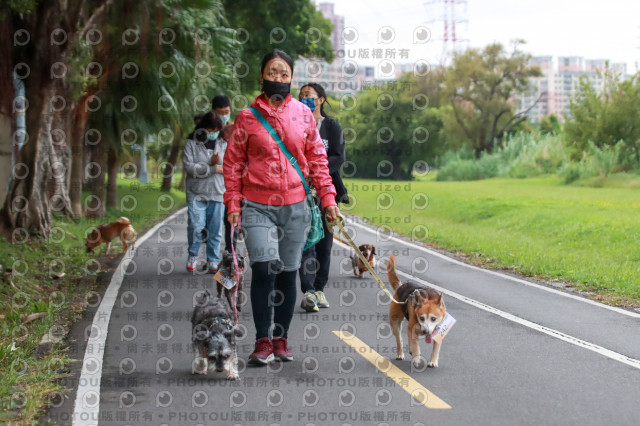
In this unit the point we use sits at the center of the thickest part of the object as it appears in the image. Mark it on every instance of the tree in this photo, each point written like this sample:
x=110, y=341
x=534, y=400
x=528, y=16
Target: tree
x=295, y=26
x=390, y=134
x=48, y=33
x=550, y=124
x=605, y=116
x=480, y=86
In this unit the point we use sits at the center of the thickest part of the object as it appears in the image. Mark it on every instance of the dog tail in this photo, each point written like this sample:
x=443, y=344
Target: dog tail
x=391, y=273
x=123, y=220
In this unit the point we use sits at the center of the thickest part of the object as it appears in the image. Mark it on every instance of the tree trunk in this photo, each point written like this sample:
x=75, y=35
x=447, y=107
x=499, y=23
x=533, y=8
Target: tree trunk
x=40, y=173
x=94, y=207
x=7, y=118
x=78, y=157
x=112, y=179
x=170, y=166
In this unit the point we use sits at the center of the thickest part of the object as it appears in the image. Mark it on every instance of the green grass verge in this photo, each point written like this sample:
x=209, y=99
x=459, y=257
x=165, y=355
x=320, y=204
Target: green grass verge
x=28, y=381
x=538, y=227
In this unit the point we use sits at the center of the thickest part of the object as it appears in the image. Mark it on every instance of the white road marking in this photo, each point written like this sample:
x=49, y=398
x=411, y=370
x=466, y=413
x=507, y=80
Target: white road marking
x=86, y=409
x=498, y=274
x=546, y=330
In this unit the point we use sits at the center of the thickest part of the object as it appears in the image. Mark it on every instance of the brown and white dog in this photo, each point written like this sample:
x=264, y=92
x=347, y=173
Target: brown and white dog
x=121, y=228
x=424, y=310
x=369, y=252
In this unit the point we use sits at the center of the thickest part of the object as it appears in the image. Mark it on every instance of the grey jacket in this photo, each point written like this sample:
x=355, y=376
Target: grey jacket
x=202, y=179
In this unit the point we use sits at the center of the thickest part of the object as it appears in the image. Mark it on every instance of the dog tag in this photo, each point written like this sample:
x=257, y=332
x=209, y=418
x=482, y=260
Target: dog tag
x=443, y=328
x=226, y=281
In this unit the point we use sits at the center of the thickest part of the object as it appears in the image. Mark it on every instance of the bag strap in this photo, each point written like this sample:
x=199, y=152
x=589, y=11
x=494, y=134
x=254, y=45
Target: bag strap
x=284, y=149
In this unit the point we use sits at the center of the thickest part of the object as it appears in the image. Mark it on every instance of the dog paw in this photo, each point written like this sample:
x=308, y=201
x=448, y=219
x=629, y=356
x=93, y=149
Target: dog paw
x=400, y=357
x=200, y=371
x=200, y=366
x=233, y=377
x=417, y=362
x=432, y=365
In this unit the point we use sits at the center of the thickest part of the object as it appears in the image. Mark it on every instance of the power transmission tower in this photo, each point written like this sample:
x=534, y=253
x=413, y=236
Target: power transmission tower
x=447, y=20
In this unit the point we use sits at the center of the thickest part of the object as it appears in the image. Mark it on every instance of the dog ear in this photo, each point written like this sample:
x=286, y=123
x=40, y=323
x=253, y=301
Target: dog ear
x=373, y=249
x=416, y=298
x=238, y=332
x=441, y=299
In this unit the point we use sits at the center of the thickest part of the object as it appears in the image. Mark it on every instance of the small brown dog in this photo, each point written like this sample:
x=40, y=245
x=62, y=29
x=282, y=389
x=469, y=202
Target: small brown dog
x=121, y=228
x=369, y=252
x=425, y=310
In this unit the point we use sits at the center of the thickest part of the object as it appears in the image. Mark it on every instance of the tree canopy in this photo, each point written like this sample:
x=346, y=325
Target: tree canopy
x=480, y=86
x=295, y=26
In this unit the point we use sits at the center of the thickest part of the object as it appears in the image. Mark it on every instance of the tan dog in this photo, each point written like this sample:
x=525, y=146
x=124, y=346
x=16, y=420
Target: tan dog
x=369, y=252
x=424, y=309
x=121, y=228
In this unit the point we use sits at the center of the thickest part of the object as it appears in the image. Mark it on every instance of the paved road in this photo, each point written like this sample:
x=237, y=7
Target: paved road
x=520, y=353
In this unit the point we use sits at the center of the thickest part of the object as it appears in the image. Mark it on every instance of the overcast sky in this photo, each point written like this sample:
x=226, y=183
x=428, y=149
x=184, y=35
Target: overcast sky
x=605, y=29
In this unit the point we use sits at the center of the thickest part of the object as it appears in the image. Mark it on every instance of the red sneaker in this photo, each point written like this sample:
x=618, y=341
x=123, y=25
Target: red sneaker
x=281, y=349
x=263, y=353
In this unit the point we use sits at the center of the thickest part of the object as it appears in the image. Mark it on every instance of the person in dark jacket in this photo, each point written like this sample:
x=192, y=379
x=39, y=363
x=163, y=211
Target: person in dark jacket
x=314, y=269
x=221, y=105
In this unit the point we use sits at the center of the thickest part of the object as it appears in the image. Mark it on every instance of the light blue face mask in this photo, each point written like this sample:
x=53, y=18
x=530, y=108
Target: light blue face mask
x=225, y=118
x=213, y=135
x=310, y=102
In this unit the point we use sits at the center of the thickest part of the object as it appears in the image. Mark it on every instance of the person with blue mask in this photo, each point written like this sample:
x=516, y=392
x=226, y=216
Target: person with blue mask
x=221, y=105
x=203, y=155
x=315, y=263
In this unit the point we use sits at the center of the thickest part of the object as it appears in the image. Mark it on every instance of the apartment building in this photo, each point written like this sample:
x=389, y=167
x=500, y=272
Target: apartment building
x=551, y=93
x=344, y=75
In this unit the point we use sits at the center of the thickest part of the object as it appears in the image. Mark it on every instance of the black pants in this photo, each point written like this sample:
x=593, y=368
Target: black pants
x=314, y=267
x=227, y=233
x=273, y=291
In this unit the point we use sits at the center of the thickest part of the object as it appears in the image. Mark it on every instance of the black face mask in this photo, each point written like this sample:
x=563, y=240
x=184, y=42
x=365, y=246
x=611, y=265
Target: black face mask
x=275, y=90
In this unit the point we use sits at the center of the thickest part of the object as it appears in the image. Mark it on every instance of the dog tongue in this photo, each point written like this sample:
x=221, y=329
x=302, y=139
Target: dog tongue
x=427, y=338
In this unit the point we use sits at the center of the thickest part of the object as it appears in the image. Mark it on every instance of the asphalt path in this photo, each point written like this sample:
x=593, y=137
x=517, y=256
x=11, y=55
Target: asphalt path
x=520, y=352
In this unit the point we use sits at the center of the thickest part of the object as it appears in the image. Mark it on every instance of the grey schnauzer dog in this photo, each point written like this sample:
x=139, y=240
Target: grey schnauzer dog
x=214, y=337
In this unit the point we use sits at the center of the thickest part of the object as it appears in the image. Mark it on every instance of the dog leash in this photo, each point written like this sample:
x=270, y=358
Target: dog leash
x=339, y=222
x=235, y=263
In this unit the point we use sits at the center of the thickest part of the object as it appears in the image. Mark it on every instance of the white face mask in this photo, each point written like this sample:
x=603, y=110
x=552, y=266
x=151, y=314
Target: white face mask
x=225, y=118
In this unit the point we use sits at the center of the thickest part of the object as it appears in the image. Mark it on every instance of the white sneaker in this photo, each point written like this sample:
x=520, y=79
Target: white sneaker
x=309, y=302
x=213, y=267
x=191, y=263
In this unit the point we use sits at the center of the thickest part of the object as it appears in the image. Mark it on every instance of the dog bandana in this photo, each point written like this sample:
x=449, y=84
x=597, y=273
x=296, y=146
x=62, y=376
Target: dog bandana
x=442, y=329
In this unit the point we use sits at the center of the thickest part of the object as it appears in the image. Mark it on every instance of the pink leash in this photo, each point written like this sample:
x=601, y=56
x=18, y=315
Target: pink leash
x=235, y=263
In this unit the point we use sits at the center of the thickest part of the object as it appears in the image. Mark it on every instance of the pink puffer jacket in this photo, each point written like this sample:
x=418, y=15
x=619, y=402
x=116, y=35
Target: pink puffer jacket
x=256, y=169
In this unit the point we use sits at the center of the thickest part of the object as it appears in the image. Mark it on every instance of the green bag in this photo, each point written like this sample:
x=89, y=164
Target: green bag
x=316, y=233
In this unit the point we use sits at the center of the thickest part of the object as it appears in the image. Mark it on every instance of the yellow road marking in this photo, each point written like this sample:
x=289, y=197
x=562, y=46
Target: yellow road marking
x=418, y=392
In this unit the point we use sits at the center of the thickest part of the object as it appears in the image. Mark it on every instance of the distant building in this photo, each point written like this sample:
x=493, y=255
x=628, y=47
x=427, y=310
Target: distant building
x=342, y=76
x=554, y=89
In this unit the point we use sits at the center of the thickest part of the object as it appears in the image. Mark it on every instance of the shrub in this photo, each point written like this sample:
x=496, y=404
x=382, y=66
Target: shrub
x=460, y=170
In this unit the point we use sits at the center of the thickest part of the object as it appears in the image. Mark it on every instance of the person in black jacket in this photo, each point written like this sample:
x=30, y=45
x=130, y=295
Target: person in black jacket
x=314, y=269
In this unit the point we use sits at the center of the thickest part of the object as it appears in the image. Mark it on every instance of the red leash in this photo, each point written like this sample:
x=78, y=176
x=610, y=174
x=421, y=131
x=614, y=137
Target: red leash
x=235, y=263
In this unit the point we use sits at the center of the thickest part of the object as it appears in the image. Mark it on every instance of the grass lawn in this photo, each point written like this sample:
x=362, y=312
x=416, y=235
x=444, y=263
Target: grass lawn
x=538, y=227
x=27, y=381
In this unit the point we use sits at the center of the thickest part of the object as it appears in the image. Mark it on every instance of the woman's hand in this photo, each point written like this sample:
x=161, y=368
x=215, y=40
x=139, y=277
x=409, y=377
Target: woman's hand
x=331, y=213
x=233, y=218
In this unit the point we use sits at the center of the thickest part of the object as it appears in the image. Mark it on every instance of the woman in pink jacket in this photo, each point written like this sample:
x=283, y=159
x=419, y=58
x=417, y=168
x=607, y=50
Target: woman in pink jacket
x=263, y=186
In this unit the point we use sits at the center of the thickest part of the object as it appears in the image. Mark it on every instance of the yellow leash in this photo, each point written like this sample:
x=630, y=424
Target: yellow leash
x=339, y=222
